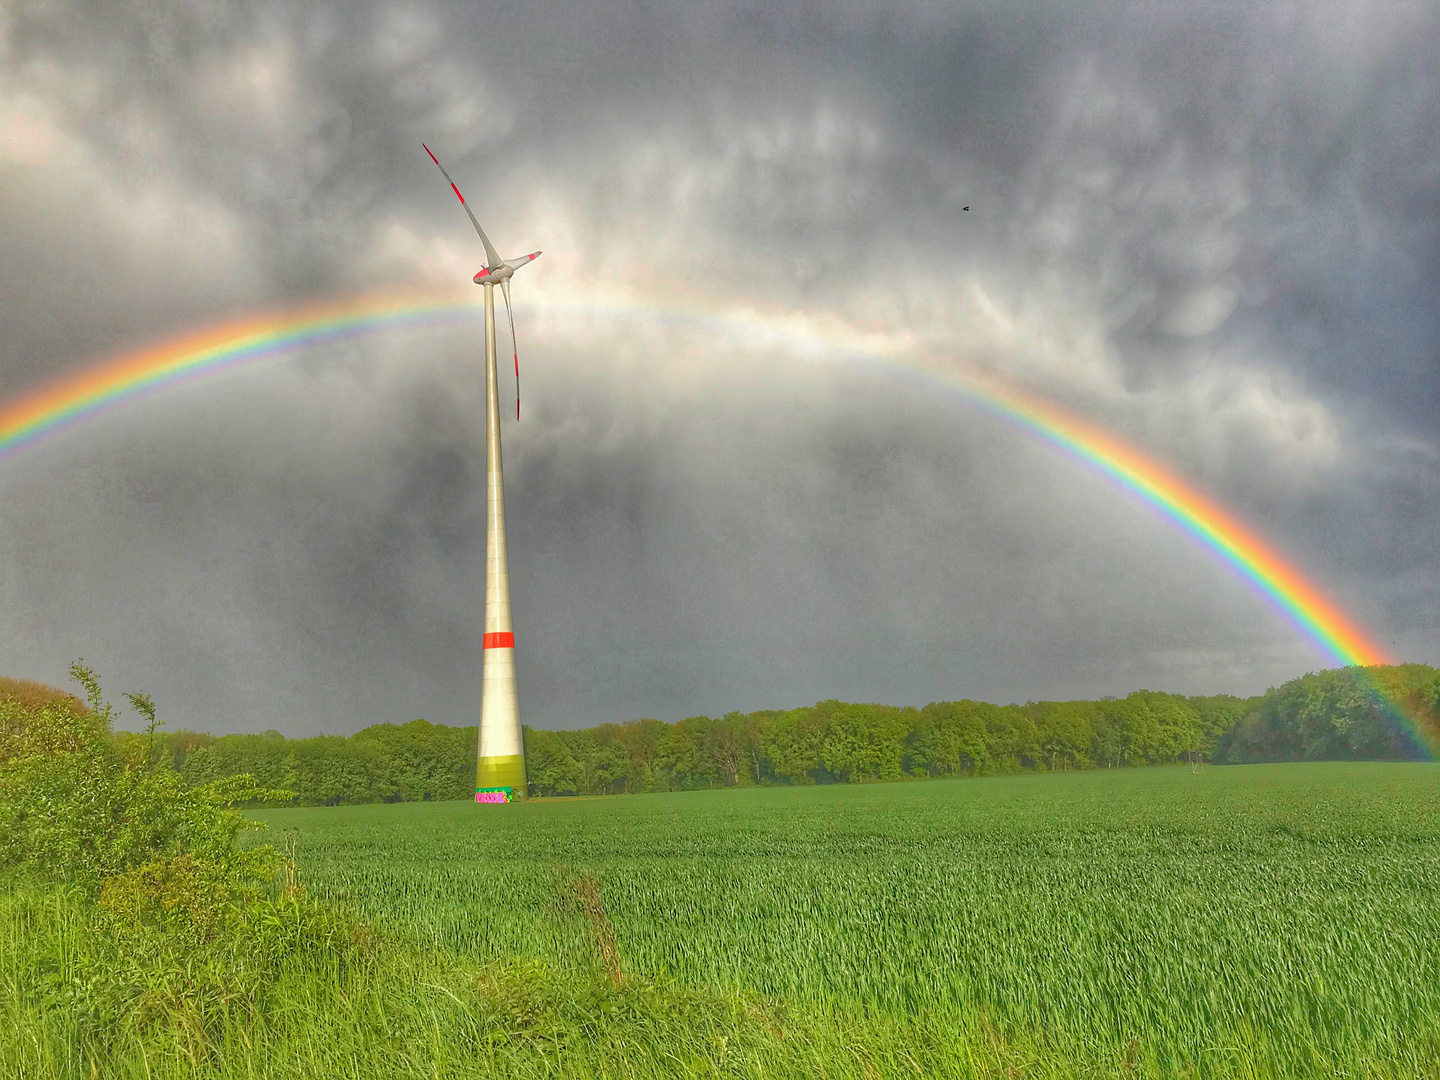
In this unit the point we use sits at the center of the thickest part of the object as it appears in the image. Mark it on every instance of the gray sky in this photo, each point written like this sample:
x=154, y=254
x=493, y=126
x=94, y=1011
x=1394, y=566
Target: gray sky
x=1213, y=230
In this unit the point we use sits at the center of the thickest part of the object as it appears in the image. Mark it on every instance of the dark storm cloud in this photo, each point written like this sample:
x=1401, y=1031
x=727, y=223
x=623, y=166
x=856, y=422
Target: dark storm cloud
x=1215, y=230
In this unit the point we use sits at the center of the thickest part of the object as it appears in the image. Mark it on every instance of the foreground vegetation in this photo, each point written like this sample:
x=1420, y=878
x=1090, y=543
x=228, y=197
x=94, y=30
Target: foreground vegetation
x=136, y=940
x=1252, y=921
x=78, y=1002
x=1263, y=921
x=1352, y=713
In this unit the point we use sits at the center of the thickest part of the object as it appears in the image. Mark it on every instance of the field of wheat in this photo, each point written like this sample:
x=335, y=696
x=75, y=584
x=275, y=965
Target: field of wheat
x=1266, y=920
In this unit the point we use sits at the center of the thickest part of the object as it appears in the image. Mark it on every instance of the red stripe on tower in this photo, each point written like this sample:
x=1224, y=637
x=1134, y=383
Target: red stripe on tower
x=500, y=641
x=457, y=191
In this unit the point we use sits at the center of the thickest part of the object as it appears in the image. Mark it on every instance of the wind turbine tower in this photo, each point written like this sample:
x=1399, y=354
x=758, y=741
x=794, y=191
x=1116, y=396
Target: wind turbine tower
x=500, y=757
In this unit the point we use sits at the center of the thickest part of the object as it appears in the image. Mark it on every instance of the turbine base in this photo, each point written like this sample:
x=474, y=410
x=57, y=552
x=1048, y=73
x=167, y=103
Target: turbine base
x=495, y=773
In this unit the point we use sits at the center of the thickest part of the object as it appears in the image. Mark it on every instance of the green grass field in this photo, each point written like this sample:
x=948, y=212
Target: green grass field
x=1243, y=921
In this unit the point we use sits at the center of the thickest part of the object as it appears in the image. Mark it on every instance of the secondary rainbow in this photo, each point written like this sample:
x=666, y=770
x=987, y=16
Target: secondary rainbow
x=83, y=394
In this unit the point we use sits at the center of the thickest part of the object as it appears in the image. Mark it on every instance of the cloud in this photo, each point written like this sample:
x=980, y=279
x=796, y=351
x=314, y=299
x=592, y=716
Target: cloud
x=1213, y=231
x=1203, y=311
x=79, y=222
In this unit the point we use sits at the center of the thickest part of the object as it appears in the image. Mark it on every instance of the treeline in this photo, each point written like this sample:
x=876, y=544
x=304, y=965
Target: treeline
x=413, y=762
x=1342, y=714
x=1346, y=714
x=830, y=742
x=840, y=742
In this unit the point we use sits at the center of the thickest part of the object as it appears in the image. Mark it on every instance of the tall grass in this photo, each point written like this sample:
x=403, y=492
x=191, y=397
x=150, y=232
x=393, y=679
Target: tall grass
x=1265, y=920
x=76, y=1003
x=1255, y=922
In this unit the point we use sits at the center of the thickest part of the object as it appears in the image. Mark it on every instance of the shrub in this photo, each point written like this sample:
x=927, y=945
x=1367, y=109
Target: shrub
x=126, y=832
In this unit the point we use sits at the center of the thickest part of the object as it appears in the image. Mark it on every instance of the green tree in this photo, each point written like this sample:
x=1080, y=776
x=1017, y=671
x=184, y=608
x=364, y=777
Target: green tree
x=955, y=742
x=1065, y=730
x=73, y=809
x=865, y=742
x=1175, y=731
x=676, y=760
x=1218, y=714
x=603, y=762
x=793, y=743
x=722, y=750
x=550, y=765
x=1011, y=741
x=641, y=739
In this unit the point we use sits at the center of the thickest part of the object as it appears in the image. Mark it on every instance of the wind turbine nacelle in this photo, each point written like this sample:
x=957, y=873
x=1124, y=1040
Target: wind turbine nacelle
x=496, y=275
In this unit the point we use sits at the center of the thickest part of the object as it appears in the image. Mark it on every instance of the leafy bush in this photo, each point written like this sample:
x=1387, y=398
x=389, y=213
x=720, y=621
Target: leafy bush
x=123, y=830
x=30, y=692
x=1388, y=712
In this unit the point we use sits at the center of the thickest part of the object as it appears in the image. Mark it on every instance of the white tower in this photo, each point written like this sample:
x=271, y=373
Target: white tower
x=500, y=757
x=500, y=766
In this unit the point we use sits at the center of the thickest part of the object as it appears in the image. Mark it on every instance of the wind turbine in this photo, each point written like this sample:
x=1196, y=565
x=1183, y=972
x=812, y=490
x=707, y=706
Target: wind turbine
x=500, y=757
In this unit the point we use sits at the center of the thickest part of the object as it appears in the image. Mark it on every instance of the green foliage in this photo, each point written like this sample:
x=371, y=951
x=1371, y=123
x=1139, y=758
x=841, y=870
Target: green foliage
x=1364, y=713
x=792, y=743
x=1370, y=713
x=130, y=921
x=676, y=760
x=864, y=742
x=550, y=765
x=951, y=739
x=118, y=823
x=418, y=761
x=1337, y=714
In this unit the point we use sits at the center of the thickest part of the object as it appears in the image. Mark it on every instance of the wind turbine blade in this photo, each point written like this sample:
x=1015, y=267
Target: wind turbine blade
x=505, y=288
x=493, y=258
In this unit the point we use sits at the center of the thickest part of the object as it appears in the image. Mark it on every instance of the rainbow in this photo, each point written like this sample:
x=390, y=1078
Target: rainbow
x=86, y=393
x=91, y=391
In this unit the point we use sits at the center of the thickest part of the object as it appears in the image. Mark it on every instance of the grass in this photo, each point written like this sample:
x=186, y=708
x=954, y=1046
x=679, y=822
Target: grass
x=1284, y=919
x=75, y=1003
x=1257, y=921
